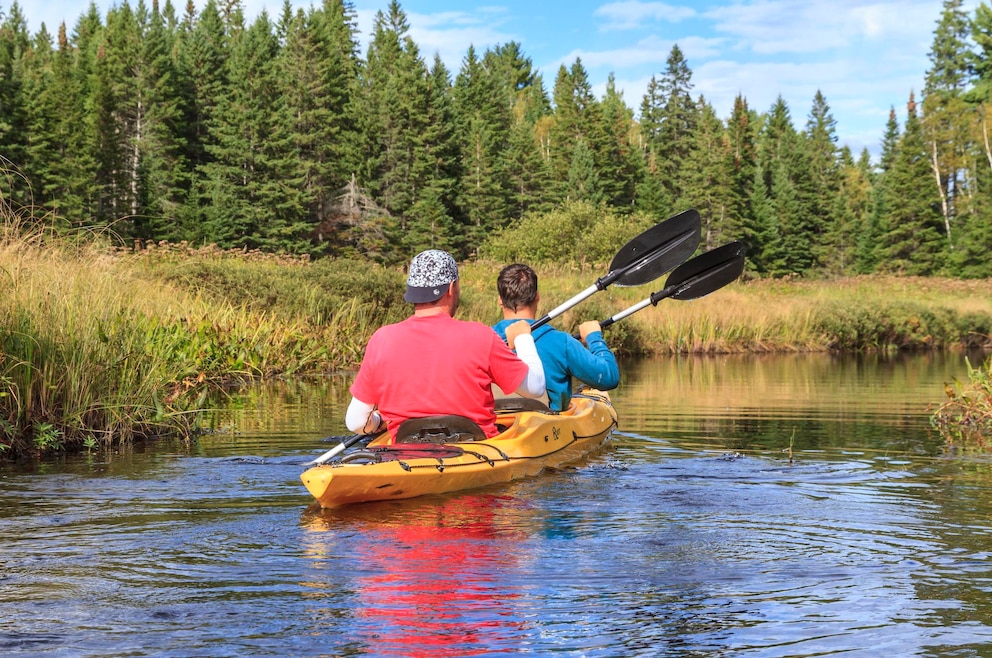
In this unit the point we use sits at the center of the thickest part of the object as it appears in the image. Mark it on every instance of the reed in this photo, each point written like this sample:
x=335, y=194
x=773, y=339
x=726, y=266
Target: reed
x=98, y=347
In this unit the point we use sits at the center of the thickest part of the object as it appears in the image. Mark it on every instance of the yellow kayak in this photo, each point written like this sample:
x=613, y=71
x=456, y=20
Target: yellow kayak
x=532, y=441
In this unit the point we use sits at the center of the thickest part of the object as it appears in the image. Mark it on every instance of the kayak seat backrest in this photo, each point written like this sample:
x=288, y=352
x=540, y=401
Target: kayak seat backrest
x=439, y=429
x=513, y=405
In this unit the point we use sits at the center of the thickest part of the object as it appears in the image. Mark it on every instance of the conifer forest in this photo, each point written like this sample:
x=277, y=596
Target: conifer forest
x=164, y=123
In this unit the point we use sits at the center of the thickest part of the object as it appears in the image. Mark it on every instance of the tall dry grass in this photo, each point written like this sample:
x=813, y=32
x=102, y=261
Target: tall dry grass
x=97, y=348
x=850, y=314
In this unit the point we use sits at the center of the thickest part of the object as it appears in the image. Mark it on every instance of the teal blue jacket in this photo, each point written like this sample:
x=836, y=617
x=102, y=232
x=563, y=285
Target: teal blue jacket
x=564, y=357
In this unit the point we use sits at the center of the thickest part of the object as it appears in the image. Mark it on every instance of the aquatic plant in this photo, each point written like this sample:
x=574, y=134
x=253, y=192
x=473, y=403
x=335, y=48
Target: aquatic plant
x=964, y=419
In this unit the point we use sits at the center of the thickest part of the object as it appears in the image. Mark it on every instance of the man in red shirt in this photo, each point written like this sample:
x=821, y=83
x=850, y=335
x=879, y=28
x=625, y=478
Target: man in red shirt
x=432, y=364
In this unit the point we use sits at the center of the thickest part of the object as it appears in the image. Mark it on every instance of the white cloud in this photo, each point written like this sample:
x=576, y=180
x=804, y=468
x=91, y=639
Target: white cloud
x=794, y=26
x=651, y=51
x=632, y=15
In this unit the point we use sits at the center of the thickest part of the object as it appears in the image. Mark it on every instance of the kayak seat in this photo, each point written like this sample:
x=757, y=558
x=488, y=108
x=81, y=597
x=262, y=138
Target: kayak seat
x=513, y=405
x=439, y=429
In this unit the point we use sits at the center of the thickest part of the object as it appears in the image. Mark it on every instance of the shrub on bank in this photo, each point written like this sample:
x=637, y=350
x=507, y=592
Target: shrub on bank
x=578, y=233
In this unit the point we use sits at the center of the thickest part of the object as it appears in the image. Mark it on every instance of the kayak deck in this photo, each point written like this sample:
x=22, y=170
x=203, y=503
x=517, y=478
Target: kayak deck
x=531, y=442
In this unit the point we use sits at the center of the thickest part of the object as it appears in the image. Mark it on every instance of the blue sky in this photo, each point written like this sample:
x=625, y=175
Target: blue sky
x=865, y=57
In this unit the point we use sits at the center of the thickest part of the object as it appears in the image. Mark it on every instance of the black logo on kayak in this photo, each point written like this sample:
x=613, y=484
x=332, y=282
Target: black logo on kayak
x=556, y=432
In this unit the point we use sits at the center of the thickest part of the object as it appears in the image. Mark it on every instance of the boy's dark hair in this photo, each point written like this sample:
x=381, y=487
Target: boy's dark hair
x=517, y=286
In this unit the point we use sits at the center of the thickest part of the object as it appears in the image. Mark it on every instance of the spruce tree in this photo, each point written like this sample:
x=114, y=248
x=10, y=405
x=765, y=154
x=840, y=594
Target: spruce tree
x=201, y=70
x=577, y=118
x=163, y=173
x=678, y=117
x=739, y=170
x=254, y=179
x=527, y=169
x=618, y=170
x=481, y=110
x=824, y=202
x=117, y=111
x=653, y=195
x=318, y=73
x=910, y=240
x=435, y=167
x=14, y=115
x=945, y=121
x=708, y=167
x=787, y=196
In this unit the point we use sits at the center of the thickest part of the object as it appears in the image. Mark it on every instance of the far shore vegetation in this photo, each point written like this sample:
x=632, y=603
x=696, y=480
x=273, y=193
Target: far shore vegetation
x=101, y=345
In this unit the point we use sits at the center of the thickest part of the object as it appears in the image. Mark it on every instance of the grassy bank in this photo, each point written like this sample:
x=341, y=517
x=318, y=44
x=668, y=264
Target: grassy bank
x=100, y=346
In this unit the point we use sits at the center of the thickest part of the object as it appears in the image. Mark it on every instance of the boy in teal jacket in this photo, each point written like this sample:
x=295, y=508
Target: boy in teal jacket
x=562, y=355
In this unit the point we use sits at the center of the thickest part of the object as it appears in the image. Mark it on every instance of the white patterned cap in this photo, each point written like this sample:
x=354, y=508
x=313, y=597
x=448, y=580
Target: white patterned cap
x=430, y=273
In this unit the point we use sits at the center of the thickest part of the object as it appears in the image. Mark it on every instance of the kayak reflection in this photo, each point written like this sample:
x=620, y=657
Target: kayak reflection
x=438, y=576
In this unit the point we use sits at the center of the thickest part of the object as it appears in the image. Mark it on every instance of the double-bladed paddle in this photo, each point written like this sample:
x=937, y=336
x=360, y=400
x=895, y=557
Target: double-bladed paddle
x=643, y=259
x=695, y=278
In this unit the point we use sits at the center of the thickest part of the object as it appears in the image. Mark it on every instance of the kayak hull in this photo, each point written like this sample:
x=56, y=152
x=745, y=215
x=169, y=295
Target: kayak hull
x=531, y=442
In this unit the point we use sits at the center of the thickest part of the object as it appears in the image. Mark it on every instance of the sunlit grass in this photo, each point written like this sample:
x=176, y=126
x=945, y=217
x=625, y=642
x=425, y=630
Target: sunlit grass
x=858, y=313
x=98, y=347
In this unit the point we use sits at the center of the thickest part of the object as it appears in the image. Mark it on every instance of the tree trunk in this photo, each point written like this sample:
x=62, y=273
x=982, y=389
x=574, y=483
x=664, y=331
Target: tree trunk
x=934, y=164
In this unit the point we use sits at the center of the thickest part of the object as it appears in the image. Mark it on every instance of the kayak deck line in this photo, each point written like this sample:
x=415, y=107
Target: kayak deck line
x=530, y=442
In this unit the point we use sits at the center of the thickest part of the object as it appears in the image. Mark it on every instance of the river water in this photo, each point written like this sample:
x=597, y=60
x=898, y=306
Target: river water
x=748, y=506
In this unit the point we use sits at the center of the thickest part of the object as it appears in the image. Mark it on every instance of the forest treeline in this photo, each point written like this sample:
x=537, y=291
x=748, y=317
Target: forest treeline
x=279, y=134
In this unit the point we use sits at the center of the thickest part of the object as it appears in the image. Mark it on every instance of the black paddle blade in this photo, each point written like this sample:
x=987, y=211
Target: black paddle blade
x=707, y=272
x=655, y=251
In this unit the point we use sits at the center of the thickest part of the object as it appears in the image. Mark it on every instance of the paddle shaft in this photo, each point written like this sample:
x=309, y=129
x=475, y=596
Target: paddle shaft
x=338, y=449
x=643, y=259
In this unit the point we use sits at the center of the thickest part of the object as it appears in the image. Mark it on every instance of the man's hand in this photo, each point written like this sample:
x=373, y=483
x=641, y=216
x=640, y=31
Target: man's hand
x=589, y=327
x=516, y=329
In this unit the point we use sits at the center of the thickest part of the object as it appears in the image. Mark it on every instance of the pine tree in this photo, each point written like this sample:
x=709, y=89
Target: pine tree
x=253, y=179
x=740, y=167
x=678, y=117
x=163, y=174
x=910, y=240
x=706, y=177
x=824, y=202
x=14, y=45
x=318, y=71
x=945, y=121
x=981, y=61
x=481, y=108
